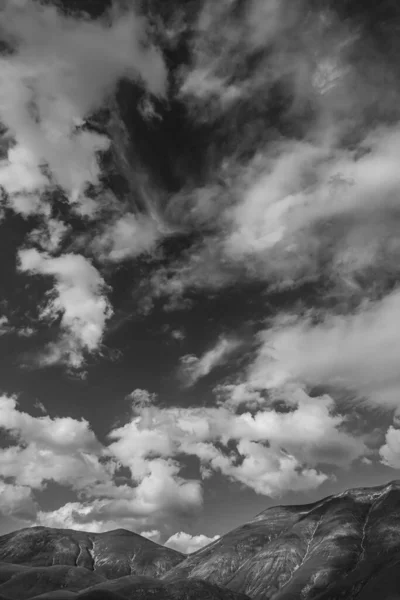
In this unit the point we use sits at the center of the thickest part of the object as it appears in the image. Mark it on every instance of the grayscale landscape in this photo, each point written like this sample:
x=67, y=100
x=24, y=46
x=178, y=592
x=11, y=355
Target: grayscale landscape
x=200, y=299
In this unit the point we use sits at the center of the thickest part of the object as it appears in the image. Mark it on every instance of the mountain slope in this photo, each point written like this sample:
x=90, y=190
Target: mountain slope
x=143, y=588
x=345, y=546
x=111, y=555
x=34, y=581
x=146, y=588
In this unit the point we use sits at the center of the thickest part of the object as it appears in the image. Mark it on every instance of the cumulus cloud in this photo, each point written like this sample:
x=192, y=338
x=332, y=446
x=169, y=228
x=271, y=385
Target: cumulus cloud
x=66, y=451
x=270, y=451
x=63, y=450
x=390, y=451
x=51, y=83
x=154, y=535
x=193, y=368
x=187, y=544
x=17, y=500
x=89, y=516
x=78, y=297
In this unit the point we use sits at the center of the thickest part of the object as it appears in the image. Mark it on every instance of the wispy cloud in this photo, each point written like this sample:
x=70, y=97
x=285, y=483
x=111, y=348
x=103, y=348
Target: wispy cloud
x=193, y=368
x=57, y=71
x=338, y=350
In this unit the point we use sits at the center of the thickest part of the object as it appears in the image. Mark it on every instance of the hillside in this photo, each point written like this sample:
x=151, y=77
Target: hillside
x=345, y=546
x=111, y=555
x=34, y=581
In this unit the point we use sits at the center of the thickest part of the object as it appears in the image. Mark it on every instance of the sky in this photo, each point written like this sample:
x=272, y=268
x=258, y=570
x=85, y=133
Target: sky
x=199, y=299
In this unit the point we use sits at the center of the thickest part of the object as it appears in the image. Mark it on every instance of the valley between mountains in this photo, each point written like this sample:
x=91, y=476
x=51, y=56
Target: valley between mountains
x=344, y=546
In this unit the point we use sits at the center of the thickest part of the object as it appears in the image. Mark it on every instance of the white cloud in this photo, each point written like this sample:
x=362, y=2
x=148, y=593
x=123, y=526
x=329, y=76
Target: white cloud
x=66, y=451
x=390, y=451
x=4, y=325
x=270, y=451
x=79, y=297
x=63, y=450
x=193, y=368
x=154, y=535
x=82, y=517
x=357, y=352
x=126, y=238
x=16, y=500
x=59, y=433
x=187, y=544
x=62, y=69
x=7, y=328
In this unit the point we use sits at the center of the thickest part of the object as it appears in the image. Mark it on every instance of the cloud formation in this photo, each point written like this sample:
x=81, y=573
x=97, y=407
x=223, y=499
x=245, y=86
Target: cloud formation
x=270, y=451
x=52, y=83
x=56, y=72
x=193, y=368
x=66, y=451
x=338, y=351
x=79, y=298
x=186, y=543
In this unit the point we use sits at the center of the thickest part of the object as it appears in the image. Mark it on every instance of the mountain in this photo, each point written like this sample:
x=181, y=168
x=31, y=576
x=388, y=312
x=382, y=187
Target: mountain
x=111, y=555
x=58, y=564
x=144, y=588
x=344, y=546
x=29, y=582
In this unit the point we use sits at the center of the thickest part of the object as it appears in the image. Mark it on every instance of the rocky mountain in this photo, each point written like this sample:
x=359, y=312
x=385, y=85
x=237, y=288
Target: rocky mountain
x=28, y=582
x=111, y=555
x=144, y=588
x=57, y=564
x=345, y=546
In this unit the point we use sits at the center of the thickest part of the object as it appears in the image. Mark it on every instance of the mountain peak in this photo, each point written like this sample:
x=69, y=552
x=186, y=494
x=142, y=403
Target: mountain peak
x=329, y=549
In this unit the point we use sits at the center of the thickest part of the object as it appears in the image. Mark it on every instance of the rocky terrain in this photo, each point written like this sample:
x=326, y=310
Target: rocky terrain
x=110, y=555
x=55, y=564
x=344, y=546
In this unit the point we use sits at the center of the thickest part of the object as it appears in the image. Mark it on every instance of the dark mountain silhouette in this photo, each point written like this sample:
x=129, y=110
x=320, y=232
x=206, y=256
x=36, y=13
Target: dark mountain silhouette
x=111, y=555
x=345, y=546
x=30, y=582
x=144, y=588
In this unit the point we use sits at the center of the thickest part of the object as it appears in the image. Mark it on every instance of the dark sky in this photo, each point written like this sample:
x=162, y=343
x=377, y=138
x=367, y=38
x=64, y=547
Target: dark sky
x=199, y=300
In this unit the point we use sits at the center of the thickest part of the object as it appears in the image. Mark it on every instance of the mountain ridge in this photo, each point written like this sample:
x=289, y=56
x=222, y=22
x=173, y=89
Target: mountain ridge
x=298, y=551
x=346, y=545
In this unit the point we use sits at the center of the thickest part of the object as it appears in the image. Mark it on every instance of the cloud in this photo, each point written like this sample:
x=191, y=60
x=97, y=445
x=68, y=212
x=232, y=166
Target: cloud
x=16, y=500
x=78, y=516
x=339, y=350
x=7, y=328
x=57, y=72
x=4, y=325
x=63, y=450
x=78, y=297
x=310, y=193
x=390, y=451
x=271, y=451
x=186, y=543
x=51, y=82
x=66, y=451
x=126, y=238
x=154, y=535
x=192, y=368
